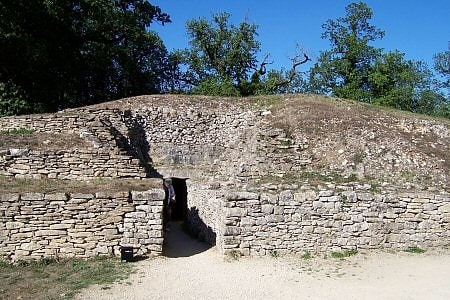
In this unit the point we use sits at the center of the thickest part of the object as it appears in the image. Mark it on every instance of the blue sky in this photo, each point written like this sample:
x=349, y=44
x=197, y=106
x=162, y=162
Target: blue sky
x=417, y=28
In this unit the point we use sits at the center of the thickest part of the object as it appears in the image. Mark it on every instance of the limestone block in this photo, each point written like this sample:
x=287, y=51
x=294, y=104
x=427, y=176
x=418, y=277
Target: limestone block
x=425, y=195
x=21, y=235
x=370, y=214
x=365, y=196
x=71, y=251
x=123, y=194
x=267, y=209
x=268, y=198
x=19, y=254
x=278, y=210
x=56, y=197
x=103, y=195
x=444, y=208
x=357, y=218
x=420, y=200
x=235, y=212
x=9, y=198
x=154, y=234
x=442, y=198
x=317, y=204
x=81, y=196
x=429, y=207
x=18, y=152
x=112, y=220
x=50, y=232
x=406, y=195
x=286, y=196
x=319, y=230
x=300, y=197
x=239, y=196
x=18, y=172
x=296, y=217
x=327, y=193
x=61, y=226
x=142, y=236
x=32, y=196
x=14, y=225
x=30, y=246
x=145, y=208
x=79, y=234
x=136, y=215
x=153, y=194
x=232, y=230
x=308, y=229
x=329, y=205
x=261, y=221
x=156, y=210
x=415, y=206
x=350, y=196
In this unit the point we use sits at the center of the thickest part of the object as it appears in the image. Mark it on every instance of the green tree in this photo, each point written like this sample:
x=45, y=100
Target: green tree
x=344, y=70
x=442, y=66
x=67, y=52
x=353, y=69
x=222, y=60
x=220, y=53
x=400, y=83
x=13, y=100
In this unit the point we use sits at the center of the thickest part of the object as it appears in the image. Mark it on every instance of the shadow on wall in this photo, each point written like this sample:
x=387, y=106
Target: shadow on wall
x=136, y=144
x=198, y=228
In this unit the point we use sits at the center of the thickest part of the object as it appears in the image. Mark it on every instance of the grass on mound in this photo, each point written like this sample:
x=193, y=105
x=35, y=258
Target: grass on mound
x=49, y=278
x=14, y=185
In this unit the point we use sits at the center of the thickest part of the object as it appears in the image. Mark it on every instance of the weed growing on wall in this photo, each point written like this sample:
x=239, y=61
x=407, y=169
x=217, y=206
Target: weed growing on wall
x=19, y=131
x=307, y=255
x=234, y=254
x=343, y=254
x=274, y=254
x=416, y=250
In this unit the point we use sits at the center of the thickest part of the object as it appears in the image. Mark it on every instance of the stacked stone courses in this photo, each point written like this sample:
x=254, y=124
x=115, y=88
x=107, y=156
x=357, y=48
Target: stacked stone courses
x=35, y=225
x=68, y=164
x=102, y=159
x=233, y=157
x=316, y=220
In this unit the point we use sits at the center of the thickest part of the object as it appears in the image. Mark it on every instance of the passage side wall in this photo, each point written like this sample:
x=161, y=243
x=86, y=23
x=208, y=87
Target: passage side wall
x=205, y=216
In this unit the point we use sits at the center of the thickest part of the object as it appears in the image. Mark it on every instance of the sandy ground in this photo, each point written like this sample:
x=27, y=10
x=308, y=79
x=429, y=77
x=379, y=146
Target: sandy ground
x=191, y=270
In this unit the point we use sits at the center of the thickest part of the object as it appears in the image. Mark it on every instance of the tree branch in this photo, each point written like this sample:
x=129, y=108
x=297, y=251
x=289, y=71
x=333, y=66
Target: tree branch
x=262, y=68
x=295, y=63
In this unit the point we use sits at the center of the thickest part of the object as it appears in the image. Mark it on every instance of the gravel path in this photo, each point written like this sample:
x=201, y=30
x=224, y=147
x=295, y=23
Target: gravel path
x=190, y=270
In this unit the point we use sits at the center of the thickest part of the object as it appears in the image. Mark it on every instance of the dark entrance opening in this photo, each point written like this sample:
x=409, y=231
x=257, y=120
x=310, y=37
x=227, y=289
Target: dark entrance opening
x=180, y=207
x=177, y=241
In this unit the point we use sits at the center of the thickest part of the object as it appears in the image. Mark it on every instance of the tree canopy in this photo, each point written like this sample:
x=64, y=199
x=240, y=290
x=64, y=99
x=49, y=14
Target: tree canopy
x=354, y=69
x=344, y=69
x=57, y=54
x=223, y=60
x=65, y=53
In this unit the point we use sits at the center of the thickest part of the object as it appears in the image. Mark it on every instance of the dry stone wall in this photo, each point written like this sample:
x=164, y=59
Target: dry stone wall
x=205, y=216
x=232, y=143
x=229, y=144
x=289, y=221
x=68, y=164
x=108, y=155
x=35, y=225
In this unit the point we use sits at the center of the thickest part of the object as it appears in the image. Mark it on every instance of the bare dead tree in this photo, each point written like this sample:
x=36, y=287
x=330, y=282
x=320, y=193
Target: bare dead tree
x=262, y=68
x=296, y=61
